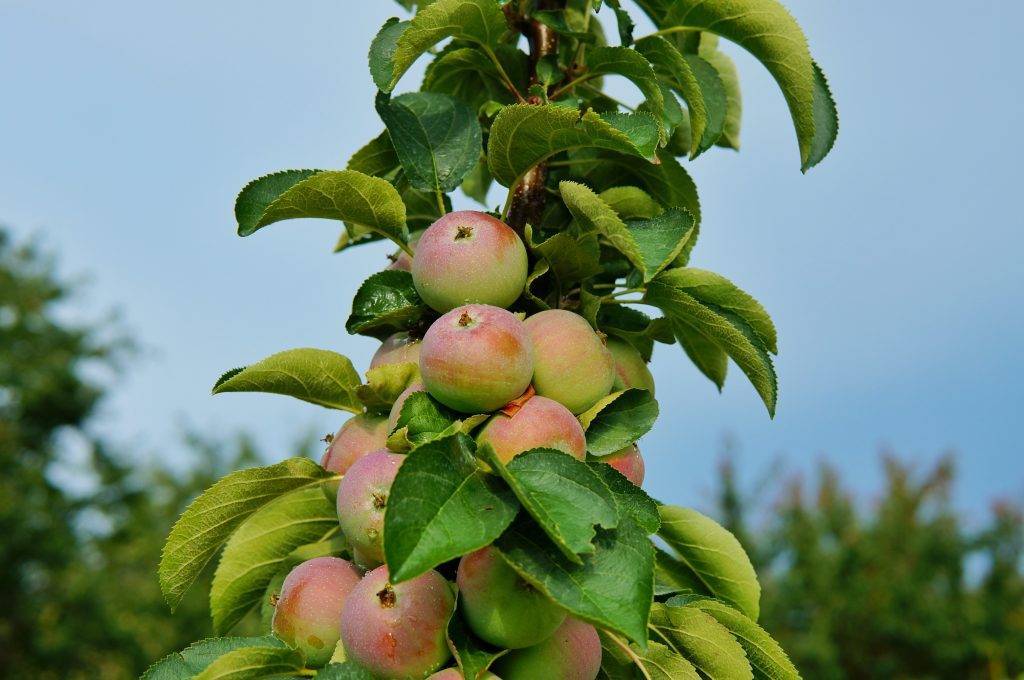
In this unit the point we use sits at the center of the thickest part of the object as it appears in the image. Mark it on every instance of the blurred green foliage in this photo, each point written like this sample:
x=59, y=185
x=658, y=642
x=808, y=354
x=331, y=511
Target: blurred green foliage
x=81, y=525
x=901, y=587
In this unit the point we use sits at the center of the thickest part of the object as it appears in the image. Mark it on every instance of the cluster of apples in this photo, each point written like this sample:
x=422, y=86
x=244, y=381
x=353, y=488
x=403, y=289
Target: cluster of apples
x=476, y=358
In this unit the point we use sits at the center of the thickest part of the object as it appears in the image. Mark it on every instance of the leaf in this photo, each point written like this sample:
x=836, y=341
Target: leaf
x=676, y=71
x=347, y=195
x=423, y=418
x=386, y=302
x=421, y=208
x=628, y=324
x=826, y=120
x=623, y=21
x=631, y=202
x=566, y=498
x=184, y=665
x=672, y=577
x=250, y=663
x=714, y=289
x=730, y=78
x=667, y=182
x=594, y=215
x=376, y=158
x=628, y=63
x=707, y=356
x=210, y=519
x=478, y=21
x=768, y=31
x=442, y=506
x=702, y=640
x=382, y=52
x=661, y=239
x=385, y=383
x=631, y=500
x=766, y=656
x=715, y=101
x=437, y=138
x=522, y=136
x=319, y=376
x=473, y=655
x=612, y=589
x=469, y=74
x=572, y=258
x=618, y=420
x=260, y=545
x=555, y=19
x=478, y=182
x=722, y=327
x=659, y=662
x=347, y=670
x=714, y=556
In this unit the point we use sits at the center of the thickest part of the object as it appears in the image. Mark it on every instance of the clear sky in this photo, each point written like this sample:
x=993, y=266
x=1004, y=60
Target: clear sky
x=893, y=270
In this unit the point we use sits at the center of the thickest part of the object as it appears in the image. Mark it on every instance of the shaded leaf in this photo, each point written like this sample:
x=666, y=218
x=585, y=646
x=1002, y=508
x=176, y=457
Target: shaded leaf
x=385, y=383
x=250, y=663
x=382, y=52
x=631, y=500
x=184, y=665
x=704, y=642
x=628, y=63
x=631, y=202
x=318, y=376
x=658, y=662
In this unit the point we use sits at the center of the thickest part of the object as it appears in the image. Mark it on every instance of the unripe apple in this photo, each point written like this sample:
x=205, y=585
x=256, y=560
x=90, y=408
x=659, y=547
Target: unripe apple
x=307, y=614
x=629, y=462
x=573, y=652
x=400, y=348
x=499, y=606
x=469, y=257
x=571, y=363
x=539, y=423
x=398, y=630
x=476, y=358
x=362, y=498
x=359, y=436
x=630, y=368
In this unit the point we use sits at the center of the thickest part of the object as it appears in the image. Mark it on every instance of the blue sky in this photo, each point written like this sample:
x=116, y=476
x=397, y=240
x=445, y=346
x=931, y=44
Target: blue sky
x=893, y=270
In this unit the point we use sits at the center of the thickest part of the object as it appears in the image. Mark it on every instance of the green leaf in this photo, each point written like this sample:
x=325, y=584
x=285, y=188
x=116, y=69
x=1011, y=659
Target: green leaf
x=555, y=19
x=631, y=500
x=661, y=239
x=628, y=63
x=566, y=498
x=826, y=120
x=469, y=74
x=618, y=420
x=376, y=158
x=677, y=72
x=768, y=31
x=706, y=355
x=765, y=655
x=667, y=182
x=595, y=216
x=631, y=202
x=385, y=383
x=184, y=665
x=723, y=327
x=624, y=23
x=571, y=257
x=318, y=376
x=382, y=52
x=478, y=182
x=250, y=663
x=442, y=506
x=658, y=662
x=628, y=324
x=437, y=138
x=478, y=21
x=260, y=545
x=347, y=670
x=423, y=418
x=522, y=136
x=714, y=556
x=730, y=78
x=210, y=519
x=474, y=656
x=715, y=101
x=672, y=577
x=386, y=302
x=704, y=642
x=421, y=208
x=371, y=203
x=714, y=289
x=612, y=589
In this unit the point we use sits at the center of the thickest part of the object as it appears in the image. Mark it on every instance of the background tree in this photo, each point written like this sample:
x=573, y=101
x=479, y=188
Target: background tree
x=901, y=588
